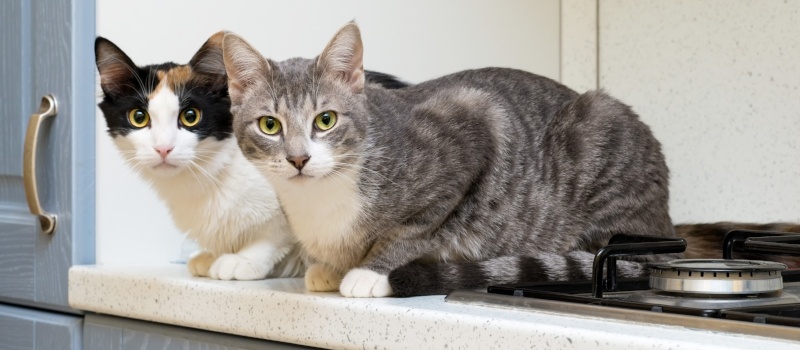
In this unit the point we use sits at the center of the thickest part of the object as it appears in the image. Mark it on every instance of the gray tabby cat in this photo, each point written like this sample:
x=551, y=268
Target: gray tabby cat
x=481, y=177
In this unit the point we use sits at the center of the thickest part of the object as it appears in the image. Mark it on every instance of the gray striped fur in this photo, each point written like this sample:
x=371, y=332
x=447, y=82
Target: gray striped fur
x=483, y=176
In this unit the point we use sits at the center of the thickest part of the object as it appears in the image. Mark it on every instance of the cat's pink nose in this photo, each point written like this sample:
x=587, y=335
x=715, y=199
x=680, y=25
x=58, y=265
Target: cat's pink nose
x=298, y=161
x=164, y=151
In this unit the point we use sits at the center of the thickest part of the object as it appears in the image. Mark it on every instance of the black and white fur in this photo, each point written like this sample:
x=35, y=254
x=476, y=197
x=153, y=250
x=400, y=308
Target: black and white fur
x=213, y=193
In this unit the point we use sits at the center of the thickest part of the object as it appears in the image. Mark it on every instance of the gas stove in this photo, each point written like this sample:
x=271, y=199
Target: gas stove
x=741, y=296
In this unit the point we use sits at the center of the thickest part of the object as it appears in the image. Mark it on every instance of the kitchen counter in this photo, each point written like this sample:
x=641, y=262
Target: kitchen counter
x=281, y=310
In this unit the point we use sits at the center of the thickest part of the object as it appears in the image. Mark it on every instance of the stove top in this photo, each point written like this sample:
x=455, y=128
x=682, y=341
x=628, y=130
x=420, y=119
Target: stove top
x=742, y=296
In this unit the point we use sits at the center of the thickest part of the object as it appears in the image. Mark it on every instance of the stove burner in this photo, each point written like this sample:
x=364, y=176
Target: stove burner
x=718, y=277
x=770, y=299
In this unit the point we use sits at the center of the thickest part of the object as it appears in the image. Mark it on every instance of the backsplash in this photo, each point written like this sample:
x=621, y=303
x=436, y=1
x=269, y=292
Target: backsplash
x=718, y=83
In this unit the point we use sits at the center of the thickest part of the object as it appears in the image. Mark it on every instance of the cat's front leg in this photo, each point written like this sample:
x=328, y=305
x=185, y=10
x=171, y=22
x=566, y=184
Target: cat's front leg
x=365, y=283
x=253, y=262
x=371, y=279
x=322, y=278
x=199, y=263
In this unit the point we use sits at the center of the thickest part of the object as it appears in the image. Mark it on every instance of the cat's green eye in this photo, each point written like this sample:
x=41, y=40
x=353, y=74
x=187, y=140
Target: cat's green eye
x=269, y=125
x=138, y=118
x=190, y=117
x=325, y=120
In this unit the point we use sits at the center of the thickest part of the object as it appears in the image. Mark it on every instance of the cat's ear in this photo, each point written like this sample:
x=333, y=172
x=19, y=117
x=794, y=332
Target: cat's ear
x=115, y=67
x=343, y=58
x=209, y=60
x=243, y=64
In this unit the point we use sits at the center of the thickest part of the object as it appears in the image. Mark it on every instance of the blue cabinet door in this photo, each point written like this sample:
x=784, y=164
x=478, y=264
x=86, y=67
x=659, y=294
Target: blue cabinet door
x=102, y=332
x=47, y=48
x=26, y=329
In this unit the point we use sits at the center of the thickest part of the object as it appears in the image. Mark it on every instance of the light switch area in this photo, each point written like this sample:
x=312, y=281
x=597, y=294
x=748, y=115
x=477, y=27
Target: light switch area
x=415, y=40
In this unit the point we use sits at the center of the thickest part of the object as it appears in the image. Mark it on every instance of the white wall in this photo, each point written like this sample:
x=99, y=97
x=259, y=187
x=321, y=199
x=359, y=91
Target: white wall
x=413, y=39
x=717, y=80
x=719, y=83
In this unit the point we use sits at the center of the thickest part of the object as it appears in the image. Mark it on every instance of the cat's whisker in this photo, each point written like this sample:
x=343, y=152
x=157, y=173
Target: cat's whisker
x=357, y=168
x=185, y=94
x=134, y=163
x=205, y=151
x=204, y=158
x=363, y=156
x=346, y=180
x=340, y=177
x=369, y=152
x=195, y=174
x=271, y=85
x=142, y=90
x=209, y=176
x=191, y=171
x=313, y=90
x=317, y=77
x=125, y=65
x=205, y=161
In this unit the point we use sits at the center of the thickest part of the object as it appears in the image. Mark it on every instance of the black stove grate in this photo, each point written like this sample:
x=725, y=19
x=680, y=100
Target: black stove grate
x=784, y=315
x=592, y=291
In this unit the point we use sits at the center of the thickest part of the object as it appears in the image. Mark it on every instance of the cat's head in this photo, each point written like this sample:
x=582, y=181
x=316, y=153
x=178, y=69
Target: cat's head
x=301, y=119
x=165, y=118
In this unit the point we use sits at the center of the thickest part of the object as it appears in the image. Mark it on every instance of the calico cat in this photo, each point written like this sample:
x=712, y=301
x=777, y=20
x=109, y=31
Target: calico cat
x=172, y=123
x=480, y=177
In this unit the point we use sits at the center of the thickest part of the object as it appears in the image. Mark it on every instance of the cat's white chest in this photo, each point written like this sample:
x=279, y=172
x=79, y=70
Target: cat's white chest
x=225, y=205
x=324, y=216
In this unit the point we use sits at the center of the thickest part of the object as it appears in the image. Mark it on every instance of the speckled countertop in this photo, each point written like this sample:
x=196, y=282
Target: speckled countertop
x=281, y=310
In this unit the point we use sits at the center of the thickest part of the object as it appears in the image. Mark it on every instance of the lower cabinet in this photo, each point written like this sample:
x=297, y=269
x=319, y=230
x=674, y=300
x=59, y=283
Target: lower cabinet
x=102, y=332
x=26, y=329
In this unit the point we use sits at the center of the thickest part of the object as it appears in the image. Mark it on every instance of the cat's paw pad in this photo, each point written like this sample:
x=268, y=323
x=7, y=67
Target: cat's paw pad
x=236, y=267
x=199, y=263
x=363, y=283
x=320, y=278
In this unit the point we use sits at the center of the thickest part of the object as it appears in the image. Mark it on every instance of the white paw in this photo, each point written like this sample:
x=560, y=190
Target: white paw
x=199, y=263
x=237, y=267
x=363, y=283
x=320, y=278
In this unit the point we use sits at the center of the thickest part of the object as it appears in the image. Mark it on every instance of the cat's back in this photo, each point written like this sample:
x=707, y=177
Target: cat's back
x=571, y=158
x=497, y=79
x=506, y=85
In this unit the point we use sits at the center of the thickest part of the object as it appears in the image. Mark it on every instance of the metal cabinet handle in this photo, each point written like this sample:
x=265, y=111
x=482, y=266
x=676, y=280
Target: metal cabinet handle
x=48, y=108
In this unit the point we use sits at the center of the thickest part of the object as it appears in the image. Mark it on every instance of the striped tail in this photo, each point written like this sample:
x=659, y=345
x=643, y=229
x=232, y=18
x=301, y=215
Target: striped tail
x=441, y=278
x=703, y=241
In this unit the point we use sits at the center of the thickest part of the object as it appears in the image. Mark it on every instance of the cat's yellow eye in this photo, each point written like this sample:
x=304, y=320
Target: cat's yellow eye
x=269, y=125
x=190, y=117
x=138, y=118
x=325, y=120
